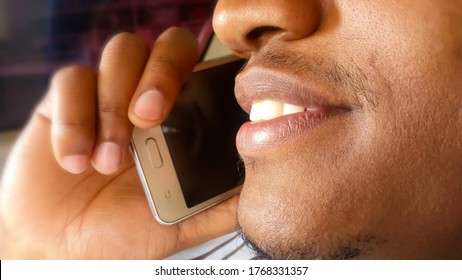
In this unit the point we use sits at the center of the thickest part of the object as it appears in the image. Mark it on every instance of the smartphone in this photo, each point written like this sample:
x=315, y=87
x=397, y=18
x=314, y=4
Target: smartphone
x=190, y=162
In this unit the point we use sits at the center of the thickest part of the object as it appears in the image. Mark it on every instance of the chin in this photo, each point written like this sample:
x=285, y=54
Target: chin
x=274, y=230
x=271, y=232
x=349, y=248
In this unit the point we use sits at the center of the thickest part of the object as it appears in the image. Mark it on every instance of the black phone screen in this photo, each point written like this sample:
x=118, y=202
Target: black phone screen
x=201, y=131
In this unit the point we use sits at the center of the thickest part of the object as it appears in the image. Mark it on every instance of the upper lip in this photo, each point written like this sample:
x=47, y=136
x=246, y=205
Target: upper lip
x=256, y=84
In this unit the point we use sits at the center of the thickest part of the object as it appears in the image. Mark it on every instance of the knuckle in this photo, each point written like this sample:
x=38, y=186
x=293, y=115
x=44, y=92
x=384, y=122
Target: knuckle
x=165, y=66
x=174, y=29
x=109, y=111
x=71, y=124
x=73, y=72
x=179, y=32
x=64, y=127
x=127, y=44
x=125, y=38
x=71, y=81
x=113, y=123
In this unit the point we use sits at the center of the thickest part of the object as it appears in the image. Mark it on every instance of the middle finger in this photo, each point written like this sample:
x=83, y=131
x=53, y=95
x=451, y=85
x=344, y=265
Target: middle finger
x=120, y=69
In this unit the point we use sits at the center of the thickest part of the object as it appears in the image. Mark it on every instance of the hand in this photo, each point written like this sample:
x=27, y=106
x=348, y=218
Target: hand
x=83, y=126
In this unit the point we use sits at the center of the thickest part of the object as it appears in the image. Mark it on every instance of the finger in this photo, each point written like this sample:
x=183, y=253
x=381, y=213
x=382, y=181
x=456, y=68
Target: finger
x=172, y=60
x=212, y=223
x=72, y=93
x=121, y=66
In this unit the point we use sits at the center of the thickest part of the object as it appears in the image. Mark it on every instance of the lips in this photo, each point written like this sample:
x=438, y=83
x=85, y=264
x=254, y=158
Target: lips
x=281, y=107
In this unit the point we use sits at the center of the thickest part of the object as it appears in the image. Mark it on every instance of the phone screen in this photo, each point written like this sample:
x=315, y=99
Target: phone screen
x=200, y=134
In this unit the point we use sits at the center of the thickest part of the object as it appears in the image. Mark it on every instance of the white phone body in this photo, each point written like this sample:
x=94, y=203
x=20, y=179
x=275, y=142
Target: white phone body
x=188, y=167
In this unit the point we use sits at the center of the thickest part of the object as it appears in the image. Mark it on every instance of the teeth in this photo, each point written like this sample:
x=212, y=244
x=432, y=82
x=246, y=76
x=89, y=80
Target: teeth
x=291, y=109
x=269, y=109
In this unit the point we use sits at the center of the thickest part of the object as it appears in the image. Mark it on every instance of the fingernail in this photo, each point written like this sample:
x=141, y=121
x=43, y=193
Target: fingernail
x=75, y=163
x=107, y=157
x=150, y=105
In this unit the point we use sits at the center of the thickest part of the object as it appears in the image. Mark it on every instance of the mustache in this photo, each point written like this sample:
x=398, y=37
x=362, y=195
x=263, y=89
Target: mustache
x=349, y=79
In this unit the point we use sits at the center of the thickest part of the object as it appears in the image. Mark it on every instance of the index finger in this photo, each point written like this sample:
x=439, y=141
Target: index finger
x=172, y=60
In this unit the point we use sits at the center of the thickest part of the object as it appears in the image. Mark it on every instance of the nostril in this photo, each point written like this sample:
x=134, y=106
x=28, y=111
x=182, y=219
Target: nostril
x=258, y=32
x=247, y=26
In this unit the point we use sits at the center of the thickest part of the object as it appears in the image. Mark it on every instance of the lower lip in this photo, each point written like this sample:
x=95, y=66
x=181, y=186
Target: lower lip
x=257, y=136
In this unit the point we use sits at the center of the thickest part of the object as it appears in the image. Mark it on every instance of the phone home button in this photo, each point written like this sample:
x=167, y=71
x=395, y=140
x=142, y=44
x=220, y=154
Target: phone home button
x=154, y=153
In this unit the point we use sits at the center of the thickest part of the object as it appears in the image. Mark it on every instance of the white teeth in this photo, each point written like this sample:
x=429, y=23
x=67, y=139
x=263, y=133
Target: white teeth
x=291, y=109
x=255, y=112
x=269, y=109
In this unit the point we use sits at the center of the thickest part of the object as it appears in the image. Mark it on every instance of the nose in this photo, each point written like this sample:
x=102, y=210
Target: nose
x=246, y=25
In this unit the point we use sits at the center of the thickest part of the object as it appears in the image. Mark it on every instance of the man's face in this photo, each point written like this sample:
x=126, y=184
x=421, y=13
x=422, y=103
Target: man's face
x=369, y=165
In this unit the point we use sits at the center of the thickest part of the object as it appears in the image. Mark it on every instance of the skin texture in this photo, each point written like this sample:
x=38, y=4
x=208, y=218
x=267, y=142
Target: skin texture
x=101, y=212
x=382, y=180
x=379, y=181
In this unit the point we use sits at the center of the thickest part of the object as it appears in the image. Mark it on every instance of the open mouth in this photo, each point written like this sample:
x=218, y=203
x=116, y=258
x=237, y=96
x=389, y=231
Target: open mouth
x=270, y=109
x=280, y=108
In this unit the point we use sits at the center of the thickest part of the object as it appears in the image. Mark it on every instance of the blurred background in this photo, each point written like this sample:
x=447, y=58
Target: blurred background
x=37, y=37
